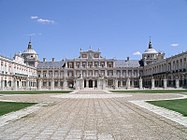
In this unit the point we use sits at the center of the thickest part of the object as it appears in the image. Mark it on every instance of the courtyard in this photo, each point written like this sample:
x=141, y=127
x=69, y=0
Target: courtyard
x=92, y=115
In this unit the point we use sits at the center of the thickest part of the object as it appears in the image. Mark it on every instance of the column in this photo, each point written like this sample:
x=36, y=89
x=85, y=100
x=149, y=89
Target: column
x=3, y=84
x=116, y=83
x=41, y=74
x=128, y=83
x=81, y=83
x=105, y=64
x=87, y=73
x=177, y=83
x=152, y=83
x=20, y=84
x=58, y=83
x=140, y=83
x=105, y=73
x=52, y=84
x=65, y=84
x=77, y=84
x=121, y=82
x=183, y=80
x=93, y=83
x=87, y=83
x=165, y=83
x=39, y=84
x=15, y=84
x=133, y=83
x=104, y=84
x=27, y=84
x=98, y=84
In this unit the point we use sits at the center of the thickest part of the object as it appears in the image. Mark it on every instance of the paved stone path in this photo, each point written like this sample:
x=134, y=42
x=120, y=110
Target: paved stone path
x=108, y=117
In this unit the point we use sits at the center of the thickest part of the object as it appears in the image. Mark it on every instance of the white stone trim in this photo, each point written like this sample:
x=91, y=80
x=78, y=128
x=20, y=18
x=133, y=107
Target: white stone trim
x=169, y=114
x=5, y=119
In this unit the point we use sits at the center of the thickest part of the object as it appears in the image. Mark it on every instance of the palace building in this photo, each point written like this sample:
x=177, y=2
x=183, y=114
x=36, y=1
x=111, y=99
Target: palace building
x=91, y=70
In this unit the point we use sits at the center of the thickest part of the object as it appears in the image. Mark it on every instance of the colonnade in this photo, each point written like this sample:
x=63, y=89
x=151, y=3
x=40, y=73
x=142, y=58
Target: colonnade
x=17, y=83
x=163, y=82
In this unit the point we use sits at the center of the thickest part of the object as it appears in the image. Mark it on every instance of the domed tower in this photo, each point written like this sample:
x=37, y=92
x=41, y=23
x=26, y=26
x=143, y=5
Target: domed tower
x=30, y=56
x=151, y=55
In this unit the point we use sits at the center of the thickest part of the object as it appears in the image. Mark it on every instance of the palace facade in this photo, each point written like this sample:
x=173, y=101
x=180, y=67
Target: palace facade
x=91, y=70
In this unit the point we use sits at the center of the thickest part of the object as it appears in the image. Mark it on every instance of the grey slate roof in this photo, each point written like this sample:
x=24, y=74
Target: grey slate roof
x=50, y=64
x=125, y=63
x=118, y=64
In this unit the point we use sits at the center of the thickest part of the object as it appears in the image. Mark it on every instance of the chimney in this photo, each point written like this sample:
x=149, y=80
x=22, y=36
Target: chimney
x=53, y=59
x=44, y=59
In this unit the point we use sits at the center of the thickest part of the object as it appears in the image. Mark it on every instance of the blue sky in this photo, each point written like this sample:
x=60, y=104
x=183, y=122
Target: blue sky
x=59, y=28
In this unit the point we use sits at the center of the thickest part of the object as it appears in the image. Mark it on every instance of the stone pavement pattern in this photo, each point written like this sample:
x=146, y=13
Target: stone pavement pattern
x=91, y=119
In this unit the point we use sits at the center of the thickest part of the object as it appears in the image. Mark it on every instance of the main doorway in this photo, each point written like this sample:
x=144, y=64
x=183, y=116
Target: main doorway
x=90, y=83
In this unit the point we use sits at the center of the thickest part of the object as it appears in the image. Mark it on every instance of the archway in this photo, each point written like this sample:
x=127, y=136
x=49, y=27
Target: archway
x=90, y=83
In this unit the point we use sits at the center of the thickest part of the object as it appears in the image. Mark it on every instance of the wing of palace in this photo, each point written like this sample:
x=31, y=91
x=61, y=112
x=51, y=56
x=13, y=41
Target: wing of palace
x=91, y=70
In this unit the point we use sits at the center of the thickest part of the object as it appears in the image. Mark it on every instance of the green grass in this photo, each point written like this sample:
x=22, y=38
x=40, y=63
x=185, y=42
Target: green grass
x=149, y=91
x=33, y=92
x=6, y=107
x=179, y=105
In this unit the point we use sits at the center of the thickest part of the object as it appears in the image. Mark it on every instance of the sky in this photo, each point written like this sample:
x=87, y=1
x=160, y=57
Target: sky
x=119, y=28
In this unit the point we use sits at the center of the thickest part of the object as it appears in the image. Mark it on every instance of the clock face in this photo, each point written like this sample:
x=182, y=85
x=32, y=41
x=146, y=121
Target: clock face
x=30, y=57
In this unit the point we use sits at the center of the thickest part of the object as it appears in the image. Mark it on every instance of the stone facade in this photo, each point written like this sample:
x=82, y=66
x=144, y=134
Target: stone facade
x=16, y=75
x=91, y=70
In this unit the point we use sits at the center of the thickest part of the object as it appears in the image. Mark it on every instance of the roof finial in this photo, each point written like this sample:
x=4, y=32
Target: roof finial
x=30, y=38
x=90, y=47
x=150, y=44
x=30, y=45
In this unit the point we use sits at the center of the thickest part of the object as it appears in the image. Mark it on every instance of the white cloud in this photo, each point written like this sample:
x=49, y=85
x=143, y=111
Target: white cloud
x=45, y=21
x=137, y=53
x=174, y=45
x=34, y=17
x=42, y=21
x=33, y=34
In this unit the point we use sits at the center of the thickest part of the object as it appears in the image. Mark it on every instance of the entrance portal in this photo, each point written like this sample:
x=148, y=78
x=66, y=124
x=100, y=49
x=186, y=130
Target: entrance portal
x=90, y=83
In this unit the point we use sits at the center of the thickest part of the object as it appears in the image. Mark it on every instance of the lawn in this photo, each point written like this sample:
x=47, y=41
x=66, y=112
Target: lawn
x=179, y=105
x=6, y=107
x=34, y=92
x=149, y=91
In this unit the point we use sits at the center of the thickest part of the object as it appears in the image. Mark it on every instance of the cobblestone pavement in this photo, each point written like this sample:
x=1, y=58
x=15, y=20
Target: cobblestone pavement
x=103, y=118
